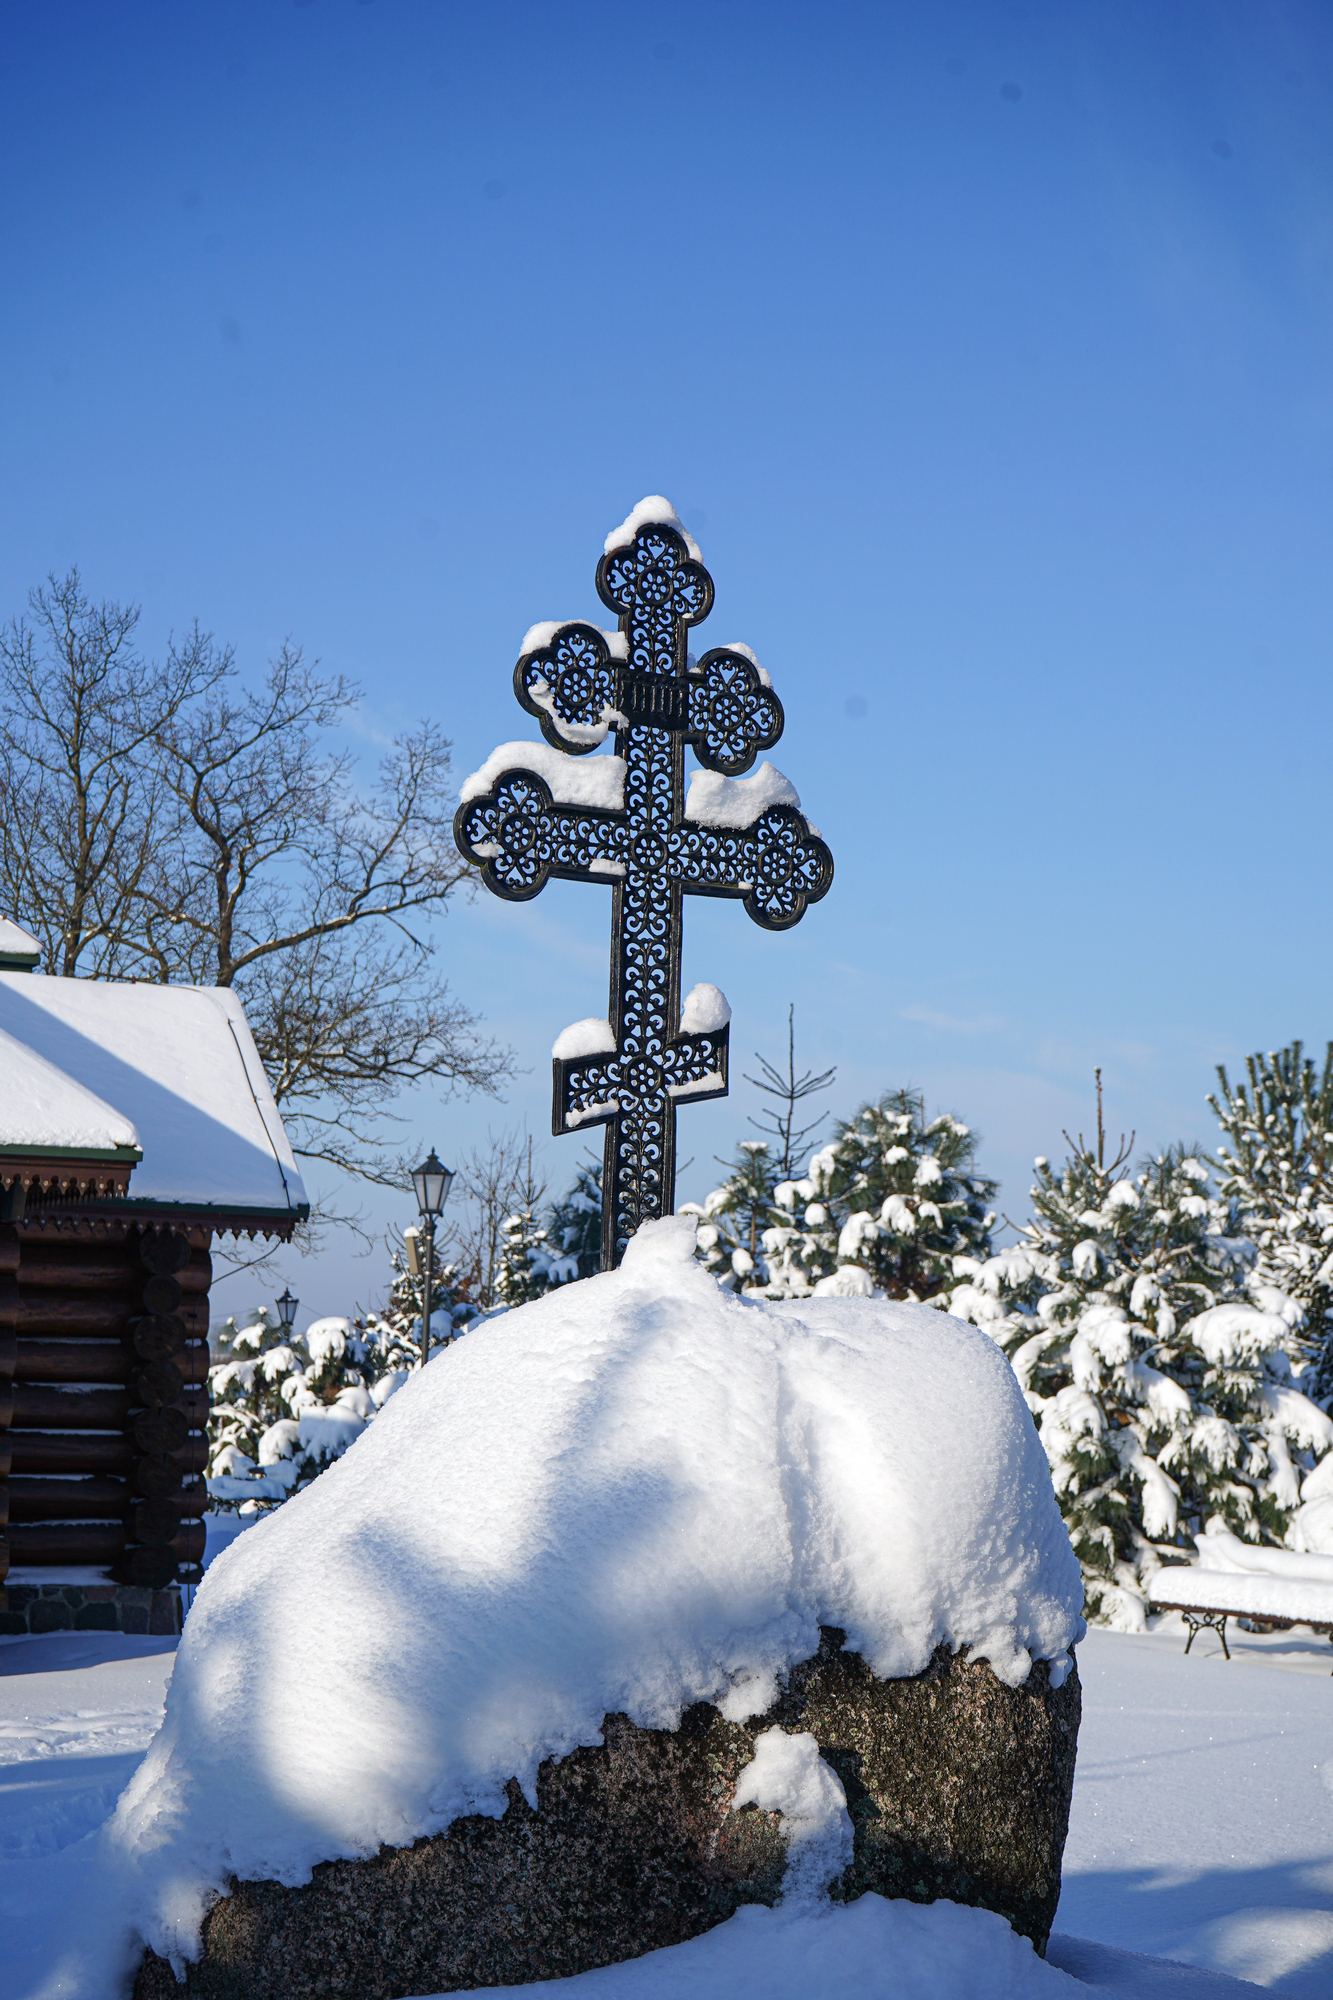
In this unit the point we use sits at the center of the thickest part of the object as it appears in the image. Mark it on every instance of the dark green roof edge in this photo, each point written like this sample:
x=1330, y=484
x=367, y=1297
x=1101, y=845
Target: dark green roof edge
x=12, y=1150
x=203, y=1209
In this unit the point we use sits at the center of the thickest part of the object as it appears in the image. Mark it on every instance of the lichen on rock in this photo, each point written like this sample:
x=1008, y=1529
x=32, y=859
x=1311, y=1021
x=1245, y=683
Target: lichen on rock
x=957, y=1786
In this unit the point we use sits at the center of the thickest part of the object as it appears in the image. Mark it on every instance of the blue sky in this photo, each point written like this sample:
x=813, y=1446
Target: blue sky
x=987, y=351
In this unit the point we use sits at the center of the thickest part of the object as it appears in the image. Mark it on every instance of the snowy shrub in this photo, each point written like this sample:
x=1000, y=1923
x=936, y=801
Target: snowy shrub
x=885, y=1207
x=1277, y=1166
x=394, y=1333
x=284, y=1406
x=572, y=1238
x=911, y=1194
x=1166, y=1376
x=736, y=1218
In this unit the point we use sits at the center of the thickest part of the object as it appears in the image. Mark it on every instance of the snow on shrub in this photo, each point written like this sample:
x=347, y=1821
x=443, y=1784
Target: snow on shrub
x=285, y=1406
x=1277, y=1166
x=893, y=1197
x=1166, y=1376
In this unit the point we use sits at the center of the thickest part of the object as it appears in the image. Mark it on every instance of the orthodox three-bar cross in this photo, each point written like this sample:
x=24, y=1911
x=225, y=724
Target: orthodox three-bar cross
x=625, y=821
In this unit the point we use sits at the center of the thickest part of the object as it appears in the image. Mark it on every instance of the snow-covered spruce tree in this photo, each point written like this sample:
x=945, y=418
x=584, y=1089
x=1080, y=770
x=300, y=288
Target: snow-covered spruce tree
x=261, y=1387
x=1277, y=1166
x=285, y=1406
x=750, y=1227
x=523, y=1271
x=1164, y=1383
x=884, y=1208
x=573, y=1230
x=735, y=1219
x=907, y=1195
x=245, y=1387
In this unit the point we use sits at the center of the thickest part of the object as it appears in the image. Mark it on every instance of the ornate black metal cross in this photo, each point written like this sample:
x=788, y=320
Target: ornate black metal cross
x=626, y=820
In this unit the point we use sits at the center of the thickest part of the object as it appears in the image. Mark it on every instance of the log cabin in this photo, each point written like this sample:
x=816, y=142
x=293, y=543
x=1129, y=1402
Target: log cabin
x=136, y=1126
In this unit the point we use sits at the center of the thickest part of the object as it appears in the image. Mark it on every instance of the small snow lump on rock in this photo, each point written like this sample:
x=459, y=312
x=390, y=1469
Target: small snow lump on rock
x=473, y=1707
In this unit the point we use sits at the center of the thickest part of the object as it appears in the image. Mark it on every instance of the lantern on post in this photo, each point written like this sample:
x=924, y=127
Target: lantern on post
x=287, y=1309
x=431, y=1182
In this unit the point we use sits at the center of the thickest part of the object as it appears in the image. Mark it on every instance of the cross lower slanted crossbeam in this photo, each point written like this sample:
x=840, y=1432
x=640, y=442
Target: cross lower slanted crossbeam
x=625, y=820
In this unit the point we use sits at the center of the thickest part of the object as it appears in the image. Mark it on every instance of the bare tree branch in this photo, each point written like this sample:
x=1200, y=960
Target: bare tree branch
x=494, y=1184
x=790, y=1091
x=81, y=808
x=166, y=823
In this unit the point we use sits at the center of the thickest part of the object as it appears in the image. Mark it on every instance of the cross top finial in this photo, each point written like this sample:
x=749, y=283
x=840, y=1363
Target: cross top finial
x=626, y=819
x=659, y=590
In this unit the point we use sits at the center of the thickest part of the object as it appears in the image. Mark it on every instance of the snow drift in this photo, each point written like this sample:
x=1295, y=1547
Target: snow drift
x=637, y=1492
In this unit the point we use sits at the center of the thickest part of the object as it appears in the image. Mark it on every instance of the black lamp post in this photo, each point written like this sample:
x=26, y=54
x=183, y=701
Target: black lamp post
x=431, y=1182
x=287, y=1310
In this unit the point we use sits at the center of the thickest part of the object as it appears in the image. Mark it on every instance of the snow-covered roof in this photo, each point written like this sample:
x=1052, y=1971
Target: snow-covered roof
x=172, y=1070
x=44, y=1107
x=19, y=951
x=633, y=1494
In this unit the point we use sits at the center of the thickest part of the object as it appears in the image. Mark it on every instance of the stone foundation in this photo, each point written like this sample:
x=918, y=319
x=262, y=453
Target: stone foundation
x=88, y=1607
x=957, y=1786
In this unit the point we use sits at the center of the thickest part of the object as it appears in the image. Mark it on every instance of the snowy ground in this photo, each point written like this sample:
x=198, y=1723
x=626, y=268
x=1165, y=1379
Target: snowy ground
x=1202, y=1826
x=1202, y=1832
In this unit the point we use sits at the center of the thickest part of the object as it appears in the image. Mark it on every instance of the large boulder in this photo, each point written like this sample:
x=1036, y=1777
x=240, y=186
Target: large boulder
x=957, y=1786
x=639, y=1498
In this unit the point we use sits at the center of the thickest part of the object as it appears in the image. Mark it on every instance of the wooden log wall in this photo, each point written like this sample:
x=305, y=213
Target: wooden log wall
x=104, y=1398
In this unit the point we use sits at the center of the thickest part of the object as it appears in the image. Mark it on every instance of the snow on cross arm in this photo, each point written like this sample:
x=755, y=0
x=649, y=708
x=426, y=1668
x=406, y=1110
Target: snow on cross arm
x=580, y=736
x=633, y=1494
x=540, y=635
x=573, y=781
x=746, y=653
x=705, y=1010
x=713, y=800
x=590, y=1037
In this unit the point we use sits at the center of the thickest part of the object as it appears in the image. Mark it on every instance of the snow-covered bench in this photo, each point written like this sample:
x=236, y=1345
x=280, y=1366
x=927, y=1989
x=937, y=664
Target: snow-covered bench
x=1235, y=1579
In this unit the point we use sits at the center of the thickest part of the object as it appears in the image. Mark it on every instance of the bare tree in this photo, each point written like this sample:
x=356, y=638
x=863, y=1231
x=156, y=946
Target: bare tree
x=496, y=1183
x=791, y=1092
x=164, y=822
x=82, y=809
x=285, y=881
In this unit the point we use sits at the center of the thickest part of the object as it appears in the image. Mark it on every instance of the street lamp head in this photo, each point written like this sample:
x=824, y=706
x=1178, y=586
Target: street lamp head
x=287, y=1310
x=432, y=1182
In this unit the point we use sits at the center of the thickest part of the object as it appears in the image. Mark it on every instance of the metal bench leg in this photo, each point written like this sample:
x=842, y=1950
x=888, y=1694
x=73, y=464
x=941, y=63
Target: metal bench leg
x=1215, y=1621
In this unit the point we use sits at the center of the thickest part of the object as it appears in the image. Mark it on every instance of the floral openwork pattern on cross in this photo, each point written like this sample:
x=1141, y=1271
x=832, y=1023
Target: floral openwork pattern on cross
x=570, y=686
x=733, y=714
x=641, y=683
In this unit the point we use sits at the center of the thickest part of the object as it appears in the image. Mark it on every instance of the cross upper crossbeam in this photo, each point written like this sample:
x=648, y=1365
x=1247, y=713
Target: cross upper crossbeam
x=624, y=820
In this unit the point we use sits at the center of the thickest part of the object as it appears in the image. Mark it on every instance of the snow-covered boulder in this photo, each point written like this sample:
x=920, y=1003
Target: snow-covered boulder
x=537, y=1616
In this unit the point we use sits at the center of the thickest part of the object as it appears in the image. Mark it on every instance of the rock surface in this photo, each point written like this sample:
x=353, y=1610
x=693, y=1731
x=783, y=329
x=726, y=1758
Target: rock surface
x=957, y=1786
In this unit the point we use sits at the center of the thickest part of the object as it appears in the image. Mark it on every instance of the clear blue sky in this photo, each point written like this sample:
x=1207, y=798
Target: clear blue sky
x=986, y=349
